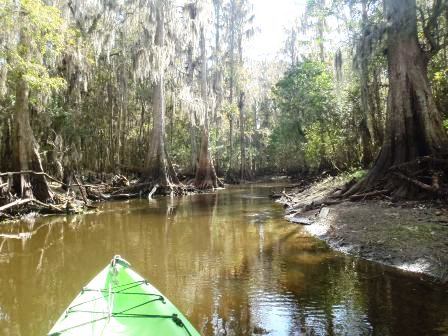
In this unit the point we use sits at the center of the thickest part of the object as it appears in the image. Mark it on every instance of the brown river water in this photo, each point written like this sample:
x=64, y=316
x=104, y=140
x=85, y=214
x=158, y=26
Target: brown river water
x=227, y=260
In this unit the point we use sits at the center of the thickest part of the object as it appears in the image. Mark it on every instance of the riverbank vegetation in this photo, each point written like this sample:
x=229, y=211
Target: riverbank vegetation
x=164, y=93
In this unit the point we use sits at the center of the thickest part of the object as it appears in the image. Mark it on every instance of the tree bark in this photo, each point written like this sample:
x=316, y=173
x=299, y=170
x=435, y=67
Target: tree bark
x=413, y=125
x=25, y=150
x=193, y=142
x=158, y=167
x=218, y=78
x=233, y=14
x=243, y=171
x=370, y=131
x=205, y=173
x=6, y=147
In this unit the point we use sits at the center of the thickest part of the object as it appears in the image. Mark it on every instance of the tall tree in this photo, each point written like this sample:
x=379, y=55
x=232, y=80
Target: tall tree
x=158, y=167
x=205, y=173
x=218, y=88
x=239, y=23
x=414, y=126
x=41, y=34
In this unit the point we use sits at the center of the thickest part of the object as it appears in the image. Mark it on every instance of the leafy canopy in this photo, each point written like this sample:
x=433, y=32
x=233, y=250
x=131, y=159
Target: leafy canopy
x=35, y=36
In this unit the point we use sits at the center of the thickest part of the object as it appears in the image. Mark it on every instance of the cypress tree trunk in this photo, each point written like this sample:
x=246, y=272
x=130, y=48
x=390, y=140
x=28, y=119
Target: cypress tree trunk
x=243, y=170
x=232, y=80
x=25, y=151
x=218, y=79
x=205, y=173
x=158, y=167
x=413, y=125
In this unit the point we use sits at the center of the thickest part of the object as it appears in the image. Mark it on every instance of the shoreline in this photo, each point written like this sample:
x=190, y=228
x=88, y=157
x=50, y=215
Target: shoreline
x=410, y=236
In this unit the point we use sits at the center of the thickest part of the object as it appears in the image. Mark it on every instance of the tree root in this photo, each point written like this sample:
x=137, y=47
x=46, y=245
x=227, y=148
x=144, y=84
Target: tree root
x=88, y=193
x=404, y=181
x=435, y=188
x=363, y=196
x=152, y=192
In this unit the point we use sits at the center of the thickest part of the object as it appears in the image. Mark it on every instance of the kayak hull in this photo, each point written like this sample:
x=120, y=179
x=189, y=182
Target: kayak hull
x=119, y=302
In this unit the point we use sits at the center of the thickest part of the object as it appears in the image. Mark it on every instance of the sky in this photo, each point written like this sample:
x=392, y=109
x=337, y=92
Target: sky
x=271, y=19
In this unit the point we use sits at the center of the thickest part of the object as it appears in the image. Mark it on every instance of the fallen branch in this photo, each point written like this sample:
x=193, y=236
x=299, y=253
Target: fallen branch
x=319, y=204
x=82, y=190
x=19, y=202
x=357, y=197
x=135, y=188
x=52, y=208
x=123, y=196
x=285, y=195
x=15, y=203
x=96, y=195
x=301, y=207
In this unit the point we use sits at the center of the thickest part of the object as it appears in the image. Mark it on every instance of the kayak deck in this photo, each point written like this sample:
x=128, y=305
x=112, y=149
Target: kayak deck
x=119, y=302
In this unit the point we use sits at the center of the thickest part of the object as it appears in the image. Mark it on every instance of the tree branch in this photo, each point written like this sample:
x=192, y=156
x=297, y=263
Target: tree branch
x=79, y=24
x=430, y=24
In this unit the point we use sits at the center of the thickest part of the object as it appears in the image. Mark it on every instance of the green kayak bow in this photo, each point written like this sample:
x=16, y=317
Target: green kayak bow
x=119, y=302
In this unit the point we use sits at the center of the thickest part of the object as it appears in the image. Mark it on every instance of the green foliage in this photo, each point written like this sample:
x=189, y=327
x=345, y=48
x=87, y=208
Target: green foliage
x=230, y=110
x=324, y=143
x=305, y=94
x=43, y=35
x=178, y=141
x=358, y=174
x=438, y=74
x=307, y=132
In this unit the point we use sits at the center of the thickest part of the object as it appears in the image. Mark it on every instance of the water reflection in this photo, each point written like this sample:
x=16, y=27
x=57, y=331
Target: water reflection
x=227, y=260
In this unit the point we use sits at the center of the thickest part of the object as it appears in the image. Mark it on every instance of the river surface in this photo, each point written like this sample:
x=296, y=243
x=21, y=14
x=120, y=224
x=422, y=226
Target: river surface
x=227, y=260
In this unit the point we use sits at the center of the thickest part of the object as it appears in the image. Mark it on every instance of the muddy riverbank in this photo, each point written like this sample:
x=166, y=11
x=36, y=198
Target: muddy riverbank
x=411, y=236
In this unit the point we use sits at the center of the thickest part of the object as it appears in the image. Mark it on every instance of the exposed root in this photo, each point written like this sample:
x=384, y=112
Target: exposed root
x=35, y=205
x=434, y=188
x=367, y=195
x=424, y=177
x=70, y=202
x=152, y=192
